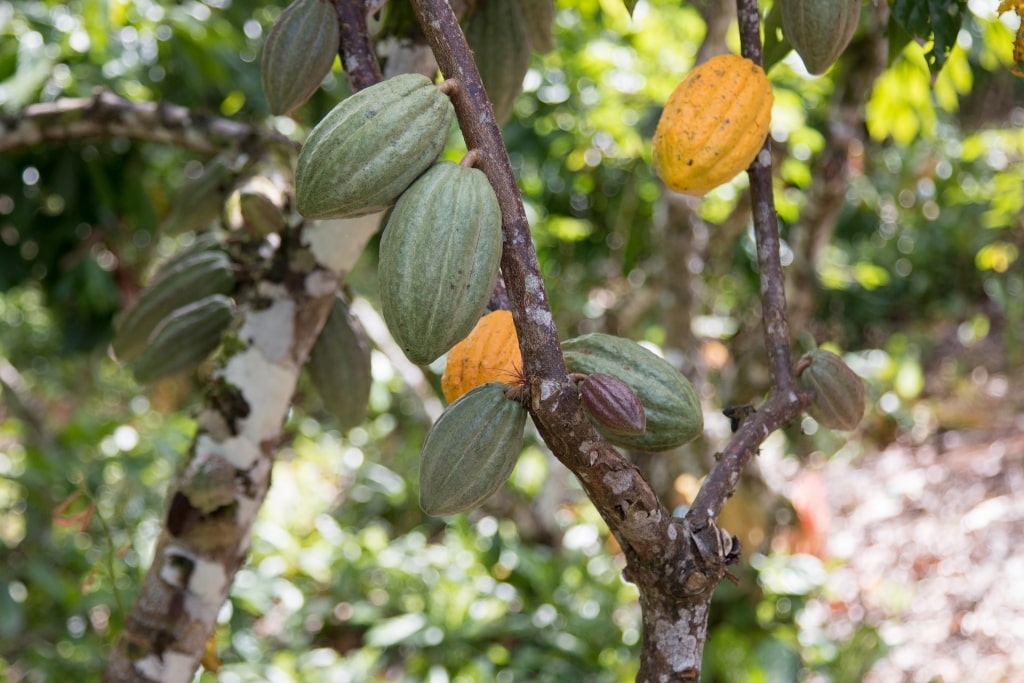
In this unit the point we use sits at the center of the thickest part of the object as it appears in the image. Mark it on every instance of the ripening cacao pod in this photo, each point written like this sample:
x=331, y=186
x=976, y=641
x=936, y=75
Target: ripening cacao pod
x=612, y=404
x=497, y=34
x=471, y=450
x=489, y=354
x=438, y=259
x=539, y=16
x=713, y=125
x=819, y=30
x=181, y=281
x=670, y=402
x=367, y=150
x=184, y=338
x=339, y=366
x=298, y=53
x=838, y=401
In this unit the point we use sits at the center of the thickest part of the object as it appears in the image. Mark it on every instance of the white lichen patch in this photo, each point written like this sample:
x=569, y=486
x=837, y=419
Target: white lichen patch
x=267, y=388
x=672, y=533
x=764, y=158
x=618, y=481
x=178, y=667
x=676, y=645
x=209, y=582
x=240, y=453
x=177, y=566
x=272, y=329
x=541, y=317
x=151, y=667
x=321, y=283
x=336, y=244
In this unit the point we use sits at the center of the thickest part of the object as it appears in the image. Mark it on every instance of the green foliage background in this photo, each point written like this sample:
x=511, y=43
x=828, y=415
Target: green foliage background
x=347, y=580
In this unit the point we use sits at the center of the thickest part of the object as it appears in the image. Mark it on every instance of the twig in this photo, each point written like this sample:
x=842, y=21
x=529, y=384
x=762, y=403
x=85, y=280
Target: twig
x=356, y=50
x=106, y=115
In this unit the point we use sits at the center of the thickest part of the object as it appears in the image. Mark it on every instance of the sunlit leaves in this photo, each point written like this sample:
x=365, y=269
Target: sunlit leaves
x=901, y=105
x=1018, y=43
x=937, y=20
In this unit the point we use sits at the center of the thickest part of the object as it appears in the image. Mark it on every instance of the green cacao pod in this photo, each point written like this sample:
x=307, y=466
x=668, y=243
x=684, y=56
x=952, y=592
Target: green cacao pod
x=819, y=30
x=497, y=34
x=838, y=401
x=371, y=146
x=298, y=53
x=611, y=403
x=181, y=281
x=339, y=366
x=184, y=338
x=670, y=402
x=471, y=450
x=200, y=200
x=439, y=259
x=539, y=16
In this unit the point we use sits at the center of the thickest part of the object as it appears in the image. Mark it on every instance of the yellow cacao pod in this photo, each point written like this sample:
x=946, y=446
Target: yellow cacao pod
x=713, y=125
x=489, y=354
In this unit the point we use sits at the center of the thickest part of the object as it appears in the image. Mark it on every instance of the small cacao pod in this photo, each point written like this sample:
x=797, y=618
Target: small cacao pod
x=490, y=353
x=713, y=125
x=838, y=401
x=471, y=450
x=497, y=34
x=298, y=53
x=179, y=282
x=257, y=205
x=670, y=402
x=200, y=200
x=367, y=150
x=819, y=30
x=613, y=405
x=438, y=259
x=184, y=338
x=539, y=16
x=339, y=366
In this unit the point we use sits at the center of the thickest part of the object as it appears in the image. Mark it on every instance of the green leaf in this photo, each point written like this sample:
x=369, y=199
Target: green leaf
x=938, y=20
x=775, y=44
x=630, y=6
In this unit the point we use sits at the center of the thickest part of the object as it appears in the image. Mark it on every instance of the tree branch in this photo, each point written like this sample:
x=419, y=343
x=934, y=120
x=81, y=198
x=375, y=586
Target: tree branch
x=784, y=401
x=356, y=50
x=106, y=115
x=214, y=502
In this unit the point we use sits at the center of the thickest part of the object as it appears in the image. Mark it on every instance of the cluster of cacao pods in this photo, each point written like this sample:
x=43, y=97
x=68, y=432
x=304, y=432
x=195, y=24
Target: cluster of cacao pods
x=179, y=317
x=714, y=124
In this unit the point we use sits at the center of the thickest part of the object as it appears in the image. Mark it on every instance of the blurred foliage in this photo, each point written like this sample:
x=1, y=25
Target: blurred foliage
x=347, y=580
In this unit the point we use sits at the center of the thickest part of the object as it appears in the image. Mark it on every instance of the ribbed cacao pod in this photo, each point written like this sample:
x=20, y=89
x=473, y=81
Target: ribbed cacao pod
x=438, y=259
x=489, y=354
x=713, y=125
x=371, y=146
x=819, y=30
x=670, y=402
x=200, y=200
x=497, y=34
x=612, y=404
x=298, y=53
x=471, y=450
x=339, y=366
x=181, y=281
x=539, y=16
x=184, y=338
x=838, y=401
x=256, y=205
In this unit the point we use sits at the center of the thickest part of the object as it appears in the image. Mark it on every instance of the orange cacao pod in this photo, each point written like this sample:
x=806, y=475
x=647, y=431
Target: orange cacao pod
x=490, y=353
x=713, y=125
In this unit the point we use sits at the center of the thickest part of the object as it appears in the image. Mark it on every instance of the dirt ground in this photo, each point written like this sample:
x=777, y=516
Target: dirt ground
x=930, y=537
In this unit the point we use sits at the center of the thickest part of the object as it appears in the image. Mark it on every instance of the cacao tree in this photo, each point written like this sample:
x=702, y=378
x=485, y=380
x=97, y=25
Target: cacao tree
x=420, y=144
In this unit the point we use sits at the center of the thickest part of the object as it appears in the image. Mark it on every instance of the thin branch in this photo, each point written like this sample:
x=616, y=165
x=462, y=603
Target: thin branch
x=106, y=115
x=784, y=402
x=356, y=49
